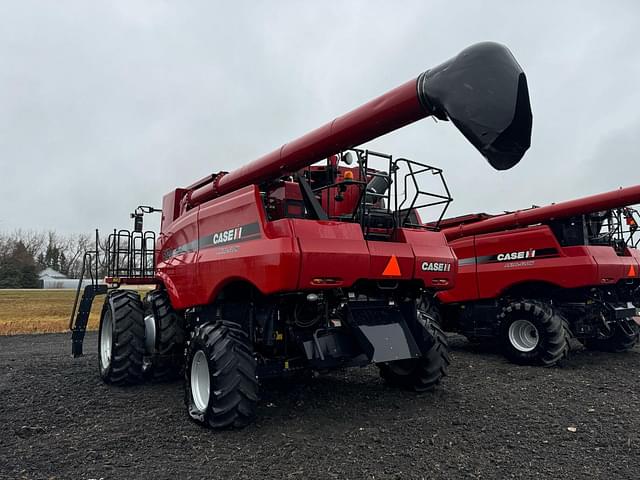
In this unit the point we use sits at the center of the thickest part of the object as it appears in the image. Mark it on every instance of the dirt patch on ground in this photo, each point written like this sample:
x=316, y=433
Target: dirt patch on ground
x=489, y=419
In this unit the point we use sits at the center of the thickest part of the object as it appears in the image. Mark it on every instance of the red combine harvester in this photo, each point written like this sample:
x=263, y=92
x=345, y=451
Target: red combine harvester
x=286, y=265
x=534, y=278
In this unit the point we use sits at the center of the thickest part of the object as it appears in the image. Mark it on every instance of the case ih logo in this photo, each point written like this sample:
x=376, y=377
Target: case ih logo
x=226, y=236
x=436, y=267
x=522, y=255
x=531, y=255
x=231, y=235
x=217, y=239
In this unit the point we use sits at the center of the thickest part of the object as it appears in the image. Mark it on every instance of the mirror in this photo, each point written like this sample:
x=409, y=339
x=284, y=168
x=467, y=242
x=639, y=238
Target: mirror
x=349, y=158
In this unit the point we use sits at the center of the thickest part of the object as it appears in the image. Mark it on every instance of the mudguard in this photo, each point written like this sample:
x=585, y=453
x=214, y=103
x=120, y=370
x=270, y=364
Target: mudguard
x=382, y=332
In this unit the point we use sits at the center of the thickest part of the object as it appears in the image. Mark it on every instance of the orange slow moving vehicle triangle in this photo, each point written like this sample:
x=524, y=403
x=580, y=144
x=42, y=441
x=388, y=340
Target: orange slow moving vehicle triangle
x=393, y=268
x=632, y=271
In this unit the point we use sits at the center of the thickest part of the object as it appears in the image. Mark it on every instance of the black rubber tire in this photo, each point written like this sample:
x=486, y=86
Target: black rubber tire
x=168, y=357
x=568, y=336
x=621, y=340
x=553, y=333
x=125, y=309
x=234, y=388
x=424, y=373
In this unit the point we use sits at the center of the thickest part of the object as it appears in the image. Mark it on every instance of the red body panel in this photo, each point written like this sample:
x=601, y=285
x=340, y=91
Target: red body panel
x=177, y=272
x=331, y=250
x=229, y=239
x=432, y=248
x=478, y=238
x=482, y=275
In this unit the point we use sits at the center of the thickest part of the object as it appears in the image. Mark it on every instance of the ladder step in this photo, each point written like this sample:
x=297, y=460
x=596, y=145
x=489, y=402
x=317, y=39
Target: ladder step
x=79, y=326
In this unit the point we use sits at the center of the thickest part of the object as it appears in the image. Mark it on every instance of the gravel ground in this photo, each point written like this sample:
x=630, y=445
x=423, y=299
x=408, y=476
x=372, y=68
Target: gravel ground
x=489, y=419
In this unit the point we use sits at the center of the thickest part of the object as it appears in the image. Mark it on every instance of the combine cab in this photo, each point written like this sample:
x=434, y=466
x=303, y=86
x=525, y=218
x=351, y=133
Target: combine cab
x=288, y=265
x=536, y=278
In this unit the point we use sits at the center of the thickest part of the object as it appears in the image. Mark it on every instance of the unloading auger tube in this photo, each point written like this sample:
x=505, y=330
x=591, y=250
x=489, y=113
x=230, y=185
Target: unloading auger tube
x=482, y=90
x=622, y=197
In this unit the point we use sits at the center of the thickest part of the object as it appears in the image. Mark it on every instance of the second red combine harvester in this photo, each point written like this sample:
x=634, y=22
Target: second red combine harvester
x=283, y=266
x=534, y=279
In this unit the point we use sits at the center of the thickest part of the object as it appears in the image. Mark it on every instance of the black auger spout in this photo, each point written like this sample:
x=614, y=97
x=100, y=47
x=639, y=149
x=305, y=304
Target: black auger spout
x=483, y=91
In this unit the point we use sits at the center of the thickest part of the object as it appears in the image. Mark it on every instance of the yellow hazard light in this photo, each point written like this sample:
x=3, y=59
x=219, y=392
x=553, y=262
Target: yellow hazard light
x=348, y=175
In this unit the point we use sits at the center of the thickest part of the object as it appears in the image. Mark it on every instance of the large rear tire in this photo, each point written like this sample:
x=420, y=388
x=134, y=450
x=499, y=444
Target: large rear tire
x=622, y=338
x=533, y=333
x=421, y=374
x=168, y=338
x=121, y=338
x=221, y=388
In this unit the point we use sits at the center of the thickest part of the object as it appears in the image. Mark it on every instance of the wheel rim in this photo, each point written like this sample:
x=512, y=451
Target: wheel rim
x=106, y=334
x=523, y=335
x=150, y=334
x=200, y=381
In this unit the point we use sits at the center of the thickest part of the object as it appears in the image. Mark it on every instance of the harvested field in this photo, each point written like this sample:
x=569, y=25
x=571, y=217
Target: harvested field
x=490, y=419
x=41, y=311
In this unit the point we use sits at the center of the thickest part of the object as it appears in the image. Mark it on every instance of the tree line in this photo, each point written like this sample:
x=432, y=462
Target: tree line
x=24, y=253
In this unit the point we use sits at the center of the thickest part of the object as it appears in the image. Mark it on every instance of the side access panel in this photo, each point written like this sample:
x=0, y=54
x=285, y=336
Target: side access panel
x=613, y=267
x=383, y=266
x=435, y=262
x=236, y=244
x=529, y=255
x=334, y=251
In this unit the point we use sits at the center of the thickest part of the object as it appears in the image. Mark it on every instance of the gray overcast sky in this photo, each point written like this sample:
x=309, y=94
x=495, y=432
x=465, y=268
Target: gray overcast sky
x=107, y=105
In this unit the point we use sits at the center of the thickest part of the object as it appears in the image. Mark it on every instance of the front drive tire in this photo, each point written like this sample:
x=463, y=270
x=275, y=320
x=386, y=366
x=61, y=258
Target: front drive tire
x=221, y=388
x=121, y=338
x=622, y=338
x=421, y=374
x=533, y=334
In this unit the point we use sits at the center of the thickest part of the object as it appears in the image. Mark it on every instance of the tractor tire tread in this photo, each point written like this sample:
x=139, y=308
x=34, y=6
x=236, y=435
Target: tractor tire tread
x=430, y=368
x=234, y=388
x=128, y=338
x=170, y=338
x=555, y=330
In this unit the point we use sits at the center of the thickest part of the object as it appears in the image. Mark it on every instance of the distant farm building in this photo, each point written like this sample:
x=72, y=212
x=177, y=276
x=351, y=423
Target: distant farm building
x=50, y=278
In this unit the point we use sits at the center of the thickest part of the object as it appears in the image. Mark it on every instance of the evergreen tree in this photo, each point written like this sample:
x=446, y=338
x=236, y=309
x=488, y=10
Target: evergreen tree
x=18, y=269
x=52, y=256
x=8, y=272
x=41, y=262
x=64, y=266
